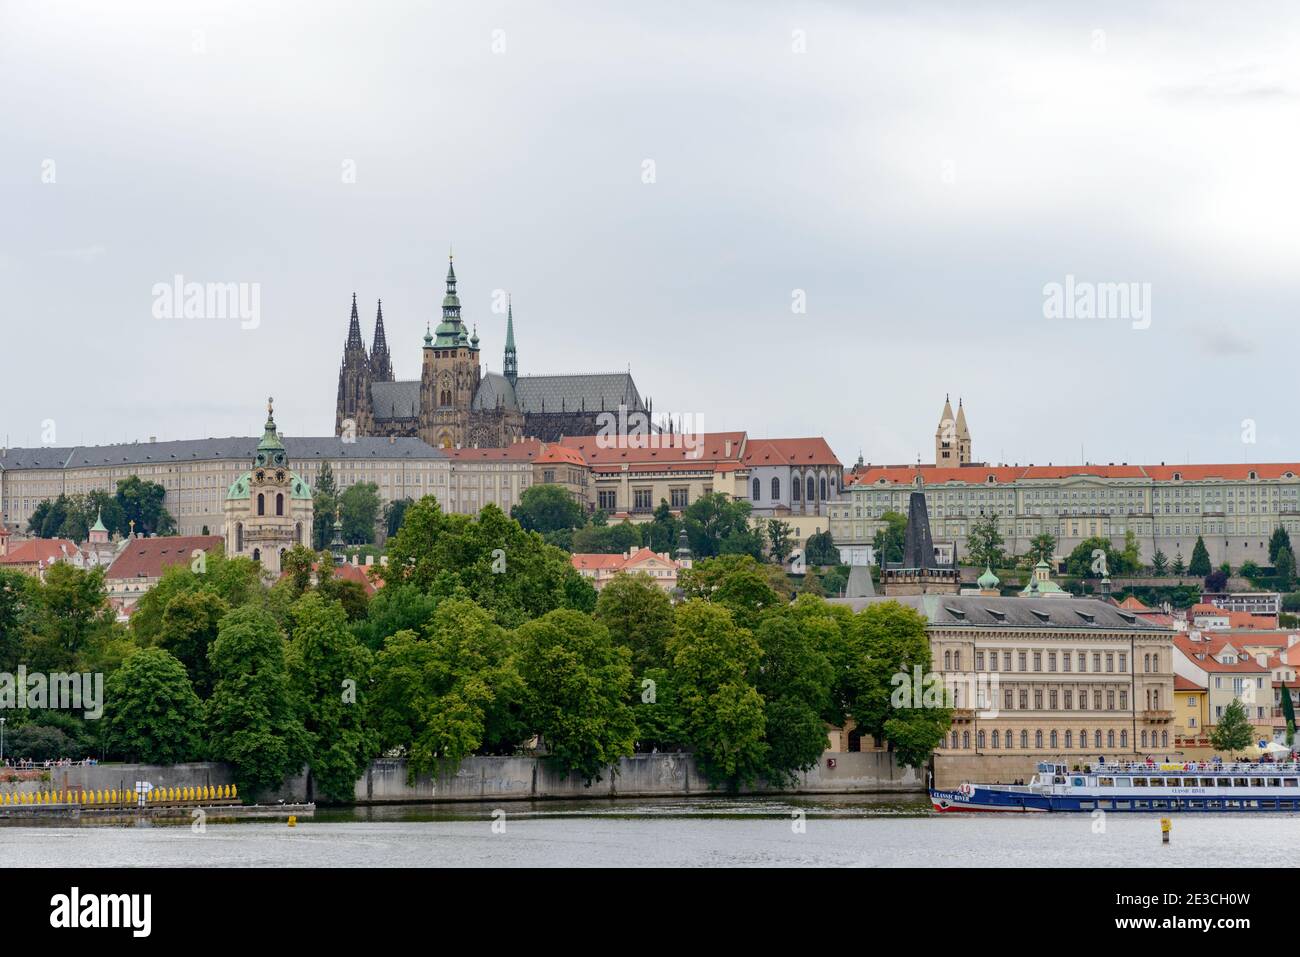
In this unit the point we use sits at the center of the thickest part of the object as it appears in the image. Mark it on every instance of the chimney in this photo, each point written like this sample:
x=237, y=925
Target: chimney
x=727, y=453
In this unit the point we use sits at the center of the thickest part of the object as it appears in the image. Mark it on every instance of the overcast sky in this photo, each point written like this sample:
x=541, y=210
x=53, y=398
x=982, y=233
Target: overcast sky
x=920, y=172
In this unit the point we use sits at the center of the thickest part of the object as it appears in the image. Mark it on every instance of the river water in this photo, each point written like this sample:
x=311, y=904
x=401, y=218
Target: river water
x=859, y=831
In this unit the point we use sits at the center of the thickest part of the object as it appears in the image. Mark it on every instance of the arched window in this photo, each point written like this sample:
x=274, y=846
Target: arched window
x=261, y=504
x=1038, y=739
x=1110, y=739
x=812, y=489
x=1024, y=740
x=1083, y=738
x=979, y=738
x=758, y=487
x=279, y=503
x=1054, y=740
x=1096, y=738
x=1144, y=738
x=997, y=739
x=954, y=739
x=1123, y=739
x=965, y=739
x=257, y=554
x=1069, y=739
x=776, y=487
x=1164, y=739
x=297, y=533
x=947, y=661
x=823, y=487
x=239, y=536
x=795, y=489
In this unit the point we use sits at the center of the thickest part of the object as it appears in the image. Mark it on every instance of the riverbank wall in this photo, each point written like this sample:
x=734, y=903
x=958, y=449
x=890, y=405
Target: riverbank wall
x=639, y=776
x=489, y=778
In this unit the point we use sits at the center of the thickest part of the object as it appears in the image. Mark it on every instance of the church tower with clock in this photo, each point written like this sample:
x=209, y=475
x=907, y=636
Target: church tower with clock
x=269, y=508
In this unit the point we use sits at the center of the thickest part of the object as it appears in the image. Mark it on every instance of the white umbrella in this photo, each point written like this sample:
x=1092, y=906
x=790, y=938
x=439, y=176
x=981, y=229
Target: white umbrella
x=1273, y=747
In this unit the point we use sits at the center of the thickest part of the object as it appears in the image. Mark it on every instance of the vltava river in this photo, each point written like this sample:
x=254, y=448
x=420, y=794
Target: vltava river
x=699, y=832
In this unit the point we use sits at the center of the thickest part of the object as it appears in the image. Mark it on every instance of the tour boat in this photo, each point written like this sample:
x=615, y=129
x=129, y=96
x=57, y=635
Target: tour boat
x=1190, y=786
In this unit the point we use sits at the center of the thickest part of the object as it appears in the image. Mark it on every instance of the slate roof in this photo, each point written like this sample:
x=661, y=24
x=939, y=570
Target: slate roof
x=1007, y=474
x=494, y=389
x=235, y=448
x=591, y=393
x=38, y=458
x=395, y=400
x=1074, y=614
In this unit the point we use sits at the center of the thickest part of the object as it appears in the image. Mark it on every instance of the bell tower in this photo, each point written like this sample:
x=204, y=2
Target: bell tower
x=449, y=374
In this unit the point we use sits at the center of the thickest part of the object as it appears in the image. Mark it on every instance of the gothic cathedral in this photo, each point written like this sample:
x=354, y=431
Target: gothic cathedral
x=455, y=403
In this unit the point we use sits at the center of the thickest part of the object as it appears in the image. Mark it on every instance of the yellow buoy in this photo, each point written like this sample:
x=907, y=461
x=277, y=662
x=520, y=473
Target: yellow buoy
x=1166, y=826
x=293, y=820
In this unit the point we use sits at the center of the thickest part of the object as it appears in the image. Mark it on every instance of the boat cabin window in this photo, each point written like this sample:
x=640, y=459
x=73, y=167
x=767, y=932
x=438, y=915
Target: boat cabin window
x=1257, y=782
x=1207, y=782
x=1275, y=782
x=1288, y=782
x=1223, y=782
x=1106, y=782
x=1240, y=783
x=1139, y=782
x=1124, y=782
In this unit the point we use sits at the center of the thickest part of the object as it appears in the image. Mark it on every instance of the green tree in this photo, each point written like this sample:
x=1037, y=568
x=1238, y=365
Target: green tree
x=722, y=713
x=16, y=590
x=1084, y=560
x=547, y=508
x=820, y=549
x=1041, y=548
x=891, y=641
x=190, y=625
x=395, y=607
x=575, y=684
x=661, y=531
x=1129, y=561
x=1288, y=712
x=69, y=614
x=794, y=679
x=514, y=574
x=639, y=617
x=888, y=542
x=252, y=719
x=142, y=501
x=1178, y=567
x=360, y=506
x=329, y=676
x=717, y=524
x=1233, y=731
x=394, y=512
x=449, y=694
x=984, y=543
x=780, y=540
x=1284, y=568
x=1200, y=563
x=1159, y=564
x=1276, y=542
x=324, y=501
x=151, y=712
x=737, y=581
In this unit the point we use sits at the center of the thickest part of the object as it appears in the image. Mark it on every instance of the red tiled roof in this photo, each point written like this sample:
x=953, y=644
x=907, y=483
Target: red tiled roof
x=809, y=451
x=39, y=550
x=1194, y=649
x=1186, y=684
x=593, y=561
x=934, y=474
x=148, y=557
x=524, y=451
x=709, y=447
x=561, y=455
x=348, y=572
x=1132, y=604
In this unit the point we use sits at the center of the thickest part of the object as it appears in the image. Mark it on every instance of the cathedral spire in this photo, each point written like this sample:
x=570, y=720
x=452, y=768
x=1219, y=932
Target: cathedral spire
x=511, y=366
x=381, y=363
x=451, y=332
x=354, y=328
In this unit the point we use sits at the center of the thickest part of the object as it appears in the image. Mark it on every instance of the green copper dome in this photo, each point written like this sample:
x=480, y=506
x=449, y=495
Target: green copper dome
x=99, y=523
x=988, y=581
x=242, y=487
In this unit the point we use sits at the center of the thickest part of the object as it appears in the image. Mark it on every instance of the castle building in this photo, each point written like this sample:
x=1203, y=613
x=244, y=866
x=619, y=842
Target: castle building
x=455, y=403
x=1234, y=508
x=268, y=509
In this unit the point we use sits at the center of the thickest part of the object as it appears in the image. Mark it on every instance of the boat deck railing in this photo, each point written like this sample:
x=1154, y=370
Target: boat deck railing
x=1209, y=767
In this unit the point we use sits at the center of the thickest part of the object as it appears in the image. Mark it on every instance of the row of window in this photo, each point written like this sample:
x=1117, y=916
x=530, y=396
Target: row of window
x=989, y=661
x=1053, y=739
x=796, y=489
